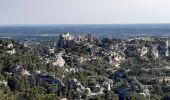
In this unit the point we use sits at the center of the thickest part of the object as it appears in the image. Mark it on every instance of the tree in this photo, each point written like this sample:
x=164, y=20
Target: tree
x=109, y=95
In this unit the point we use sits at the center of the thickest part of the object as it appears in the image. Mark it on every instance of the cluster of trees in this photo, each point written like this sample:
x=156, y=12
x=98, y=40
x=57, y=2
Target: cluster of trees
x=90, y=73
x=20, y=87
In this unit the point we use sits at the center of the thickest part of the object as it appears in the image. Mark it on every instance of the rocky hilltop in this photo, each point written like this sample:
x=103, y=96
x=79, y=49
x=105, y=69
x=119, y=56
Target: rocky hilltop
x=85, y=67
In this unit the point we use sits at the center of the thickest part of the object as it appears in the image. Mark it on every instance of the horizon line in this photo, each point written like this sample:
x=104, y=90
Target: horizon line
x=27, y=24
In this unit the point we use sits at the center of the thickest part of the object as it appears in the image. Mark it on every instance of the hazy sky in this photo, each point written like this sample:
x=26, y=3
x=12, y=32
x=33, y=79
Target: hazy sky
x=84, y=11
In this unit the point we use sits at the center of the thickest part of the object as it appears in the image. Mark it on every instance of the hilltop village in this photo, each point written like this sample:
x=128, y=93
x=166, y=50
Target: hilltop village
x=86, y=67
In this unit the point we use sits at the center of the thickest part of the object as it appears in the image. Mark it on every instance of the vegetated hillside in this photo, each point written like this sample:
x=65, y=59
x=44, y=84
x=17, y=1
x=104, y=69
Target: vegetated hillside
x=13, y=54
x=85, y=68
x=19, y=80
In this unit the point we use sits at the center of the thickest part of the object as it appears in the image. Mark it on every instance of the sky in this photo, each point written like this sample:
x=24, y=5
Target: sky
x=84, y=11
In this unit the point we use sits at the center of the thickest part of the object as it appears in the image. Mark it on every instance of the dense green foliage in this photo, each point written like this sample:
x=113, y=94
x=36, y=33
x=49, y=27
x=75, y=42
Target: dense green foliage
x=136, y=75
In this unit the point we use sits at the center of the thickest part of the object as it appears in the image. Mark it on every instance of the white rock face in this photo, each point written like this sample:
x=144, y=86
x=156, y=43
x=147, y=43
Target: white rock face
x=59, y=62
x=37, y=72
x=167, y=51
x=10, y=46
x=25, y=72
x=167, y=43
x=64, y=99
x=118, y=57
x=155, y=52
x=108, y=87
x=82, y=59
x=74, y=70
x=4, y=82
x=143, y=51
x=117, y=65
x=11, y=51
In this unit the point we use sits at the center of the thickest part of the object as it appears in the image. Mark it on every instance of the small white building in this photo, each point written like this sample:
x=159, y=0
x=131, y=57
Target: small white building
x=67, y=36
